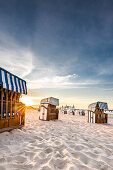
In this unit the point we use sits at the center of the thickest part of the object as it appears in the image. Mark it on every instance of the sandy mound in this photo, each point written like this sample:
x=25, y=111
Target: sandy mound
x=69, y=143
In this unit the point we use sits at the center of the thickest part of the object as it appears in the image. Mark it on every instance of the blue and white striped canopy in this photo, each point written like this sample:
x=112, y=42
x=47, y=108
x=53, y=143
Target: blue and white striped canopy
x=12, y=82
x=101, y=105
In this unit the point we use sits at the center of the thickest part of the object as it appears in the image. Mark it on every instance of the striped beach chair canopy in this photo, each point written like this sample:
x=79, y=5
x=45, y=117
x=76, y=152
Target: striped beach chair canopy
x=100, y=105
x=11, y=82
x=50, y=100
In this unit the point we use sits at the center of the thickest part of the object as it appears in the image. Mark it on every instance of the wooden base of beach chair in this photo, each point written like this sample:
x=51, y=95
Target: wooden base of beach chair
x=8, y=129
x=97, y=117
x=49, y=113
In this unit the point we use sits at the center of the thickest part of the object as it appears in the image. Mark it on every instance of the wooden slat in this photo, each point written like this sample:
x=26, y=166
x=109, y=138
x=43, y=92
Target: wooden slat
x=11, y=104
x=14, y=104
x=6, y=103
x=48, y=111
x=1, y=102
x=11, y=128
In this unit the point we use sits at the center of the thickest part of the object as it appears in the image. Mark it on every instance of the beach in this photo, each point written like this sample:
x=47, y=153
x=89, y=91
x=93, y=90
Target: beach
x=70, y=143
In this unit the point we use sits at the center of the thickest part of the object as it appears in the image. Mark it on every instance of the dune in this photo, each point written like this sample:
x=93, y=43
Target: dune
x=70, y=143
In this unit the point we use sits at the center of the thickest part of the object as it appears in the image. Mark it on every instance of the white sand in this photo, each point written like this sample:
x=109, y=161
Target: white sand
x=69, y=143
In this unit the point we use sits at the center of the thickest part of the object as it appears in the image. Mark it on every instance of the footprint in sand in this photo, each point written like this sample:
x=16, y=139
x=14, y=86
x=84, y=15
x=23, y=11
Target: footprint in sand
x=41, y=160
x=58, y=155
x=81, y=167
x=45, y=168
x=9, y=159
x=32, y=141
x=73, y=168
x=48, y=150
x=76, y=155
x=2, y=160
x=58, y=143
x=2, y=168
x=38, y=138
x=79, y=147
x=20, y=159
x=29, y=154
x=107, y=160
x=83, y=158
x=72, y=146
x=41, y=145
x=42, y=155
x=109, y=146
x=58, y=163
x=97, y=164
x=20, y=166
x=92, y=155
x=97, y=151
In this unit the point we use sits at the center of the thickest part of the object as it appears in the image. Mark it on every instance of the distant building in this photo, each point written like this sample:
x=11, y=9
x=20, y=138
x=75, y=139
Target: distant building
x=68, y=110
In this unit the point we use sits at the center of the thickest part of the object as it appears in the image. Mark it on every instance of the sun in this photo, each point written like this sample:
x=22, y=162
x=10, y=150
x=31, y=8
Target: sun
x=27, y=101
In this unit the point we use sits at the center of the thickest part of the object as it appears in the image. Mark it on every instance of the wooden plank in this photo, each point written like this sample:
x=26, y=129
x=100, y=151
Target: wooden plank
x=11, y=104
x=106, y=118
x=14, y=104
x=57, y=113
x=22, y=117
x=88, y=115
x=91, y=117
x=95, y=117
x=14, y=121
x=3, y=123
x=48, y=111
x=11, y=128
x=6, y=103
x=1, y=102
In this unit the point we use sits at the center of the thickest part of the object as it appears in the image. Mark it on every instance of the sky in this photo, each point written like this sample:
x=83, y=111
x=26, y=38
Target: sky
x=62, y=48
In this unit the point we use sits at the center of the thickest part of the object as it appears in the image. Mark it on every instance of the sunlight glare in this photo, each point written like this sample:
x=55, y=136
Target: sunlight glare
x=27, y=101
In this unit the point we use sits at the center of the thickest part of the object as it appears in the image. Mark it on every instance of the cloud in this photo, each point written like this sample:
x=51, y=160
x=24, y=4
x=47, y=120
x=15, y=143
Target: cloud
x=47, y=72
x=65, y=82
x=53, y=82
x=13, y=57
x=109, y=89
x=105, y=66
x=106, y=70
x=37, y=70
